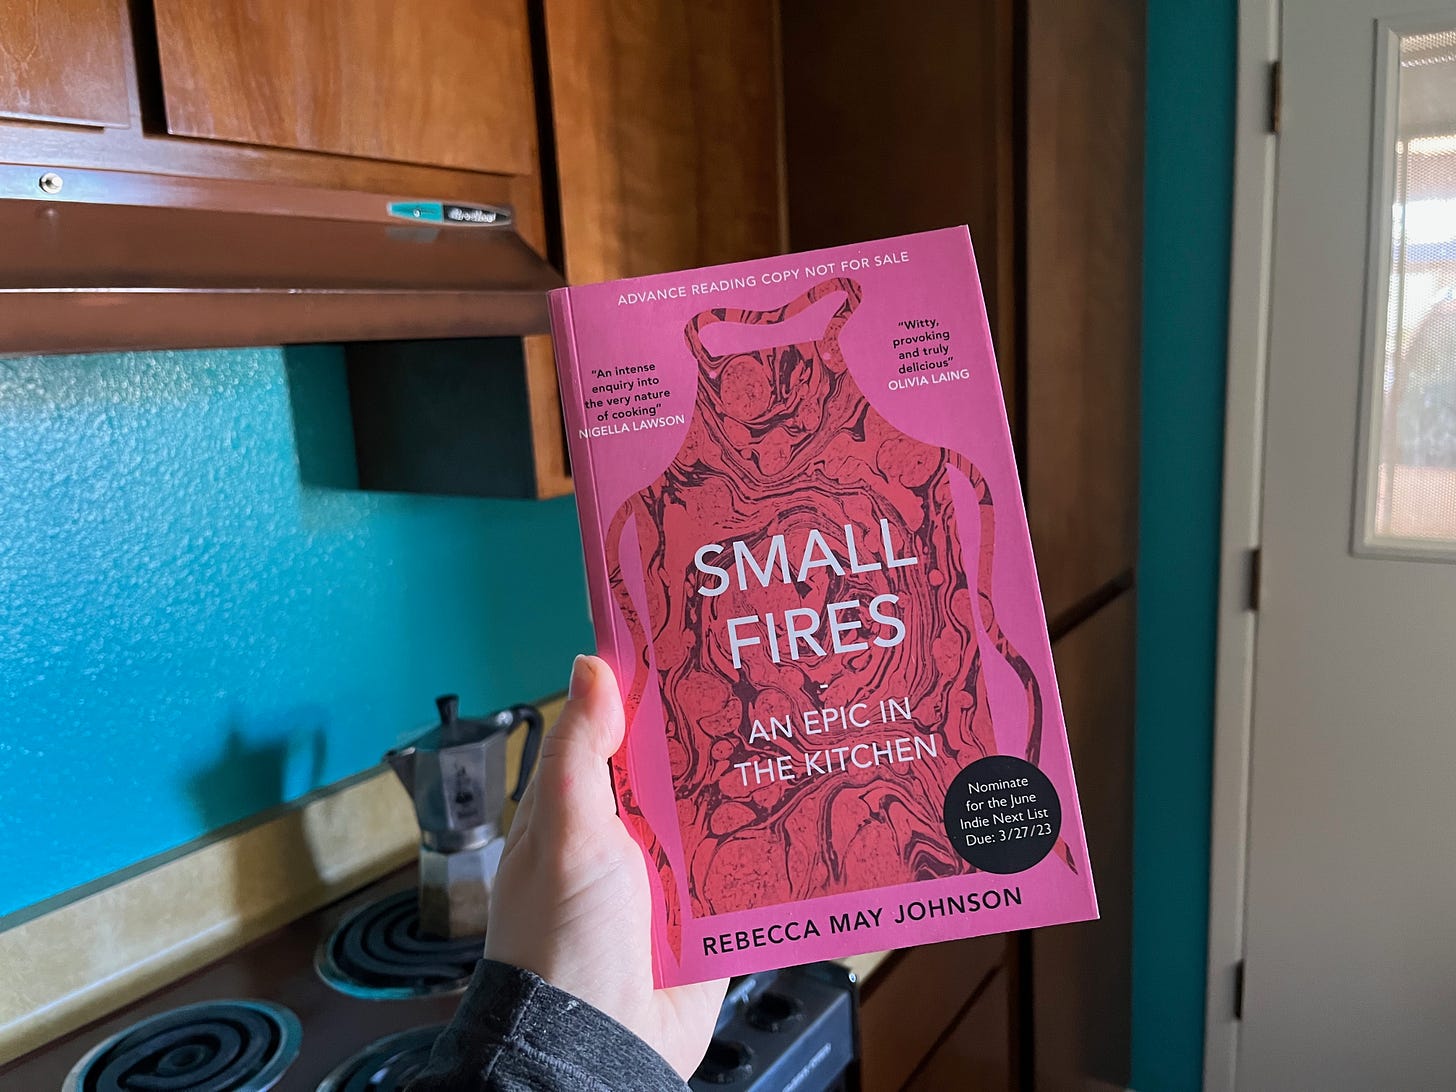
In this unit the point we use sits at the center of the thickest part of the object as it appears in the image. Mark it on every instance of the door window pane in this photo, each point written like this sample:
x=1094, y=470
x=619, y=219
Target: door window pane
x=1412, y=499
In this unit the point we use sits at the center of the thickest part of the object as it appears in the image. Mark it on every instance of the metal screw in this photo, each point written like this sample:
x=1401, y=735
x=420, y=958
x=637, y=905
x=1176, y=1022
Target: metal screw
x=50, y=182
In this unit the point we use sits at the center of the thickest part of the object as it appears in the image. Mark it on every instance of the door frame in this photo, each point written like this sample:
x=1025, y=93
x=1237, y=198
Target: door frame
x=1251, y=256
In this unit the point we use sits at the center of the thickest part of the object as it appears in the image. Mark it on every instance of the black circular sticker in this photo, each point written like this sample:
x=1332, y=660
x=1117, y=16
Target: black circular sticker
x=1002, y=814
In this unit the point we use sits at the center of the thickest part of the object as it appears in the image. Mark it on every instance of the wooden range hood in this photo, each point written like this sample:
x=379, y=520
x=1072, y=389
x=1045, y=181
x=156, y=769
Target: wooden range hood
x=114, y=260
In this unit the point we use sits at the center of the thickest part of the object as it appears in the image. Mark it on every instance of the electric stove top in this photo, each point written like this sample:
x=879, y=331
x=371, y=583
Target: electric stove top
x=352, y=997
x=269, y=1016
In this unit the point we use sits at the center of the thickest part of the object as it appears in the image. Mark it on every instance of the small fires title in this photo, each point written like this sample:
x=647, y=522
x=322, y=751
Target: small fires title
x=800, y=631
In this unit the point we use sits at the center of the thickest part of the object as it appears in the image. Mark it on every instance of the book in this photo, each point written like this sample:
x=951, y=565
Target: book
x=808, y=562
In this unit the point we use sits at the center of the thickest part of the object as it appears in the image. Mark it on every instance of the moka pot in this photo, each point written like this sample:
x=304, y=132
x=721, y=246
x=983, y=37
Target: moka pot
x=455, y=773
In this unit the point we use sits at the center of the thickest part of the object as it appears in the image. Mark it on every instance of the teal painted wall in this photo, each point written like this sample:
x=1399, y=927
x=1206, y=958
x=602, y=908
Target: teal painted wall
x=200, y=618
x=1191, y=60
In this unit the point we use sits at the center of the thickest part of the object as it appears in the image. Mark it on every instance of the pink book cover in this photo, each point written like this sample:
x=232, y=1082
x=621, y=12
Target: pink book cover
x=809, y=564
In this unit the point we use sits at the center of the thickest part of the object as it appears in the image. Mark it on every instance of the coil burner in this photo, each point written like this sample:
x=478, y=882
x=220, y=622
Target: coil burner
x=379, y=952
x=217, y=1046
x=385, y=1065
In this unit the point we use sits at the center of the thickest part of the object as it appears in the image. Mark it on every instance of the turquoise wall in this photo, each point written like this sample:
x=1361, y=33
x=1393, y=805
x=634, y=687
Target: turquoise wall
x=1191, y=58
x=200, y=618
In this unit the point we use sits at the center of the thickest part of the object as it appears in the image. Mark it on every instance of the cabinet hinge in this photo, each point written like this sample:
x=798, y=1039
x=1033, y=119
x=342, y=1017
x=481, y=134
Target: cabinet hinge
x=1256, y=577
x=1275, y=94
x=1239, y=990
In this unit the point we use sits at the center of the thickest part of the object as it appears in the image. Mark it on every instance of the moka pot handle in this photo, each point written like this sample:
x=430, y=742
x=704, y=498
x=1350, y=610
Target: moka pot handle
x=531, y=717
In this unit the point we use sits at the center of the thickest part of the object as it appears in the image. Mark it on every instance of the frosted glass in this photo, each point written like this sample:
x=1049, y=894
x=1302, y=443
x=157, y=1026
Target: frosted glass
x=1412, y=497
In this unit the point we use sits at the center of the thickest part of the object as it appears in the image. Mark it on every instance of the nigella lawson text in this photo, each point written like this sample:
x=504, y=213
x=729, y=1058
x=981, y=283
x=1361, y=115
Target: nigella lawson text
x=870, y=917
x=798, y=632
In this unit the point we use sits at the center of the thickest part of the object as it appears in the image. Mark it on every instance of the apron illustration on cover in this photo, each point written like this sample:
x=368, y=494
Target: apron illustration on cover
x=783, y=442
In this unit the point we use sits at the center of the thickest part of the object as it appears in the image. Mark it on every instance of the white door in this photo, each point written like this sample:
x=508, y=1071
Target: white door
x=1350, y=929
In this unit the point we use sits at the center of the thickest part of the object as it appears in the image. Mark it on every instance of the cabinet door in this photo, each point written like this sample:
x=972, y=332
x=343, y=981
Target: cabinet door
x=1082, y=973
x=1083, y=254
x=666, y=121
x=446, y=83
x=914, y=998
x=905, y=123
x=64, y=60
x=976, y=1053
x=667, y=133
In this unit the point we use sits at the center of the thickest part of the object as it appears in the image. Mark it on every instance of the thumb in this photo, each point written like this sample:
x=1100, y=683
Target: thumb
x=572, y=772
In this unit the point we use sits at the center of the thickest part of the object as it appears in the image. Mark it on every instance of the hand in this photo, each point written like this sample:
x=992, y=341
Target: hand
x=571, y=901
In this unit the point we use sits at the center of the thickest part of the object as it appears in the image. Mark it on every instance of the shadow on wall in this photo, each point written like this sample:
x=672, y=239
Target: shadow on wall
x=265, y=761
x=324, y=436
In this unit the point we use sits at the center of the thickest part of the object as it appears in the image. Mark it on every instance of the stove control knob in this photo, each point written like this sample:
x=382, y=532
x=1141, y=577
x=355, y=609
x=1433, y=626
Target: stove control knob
x=727, y=1062
x=775, y=1011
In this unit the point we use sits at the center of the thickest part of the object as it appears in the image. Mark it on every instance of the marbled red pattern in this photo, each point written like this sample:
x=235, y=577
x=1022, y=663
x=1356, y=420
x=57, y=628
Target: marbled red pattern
x=783, y=441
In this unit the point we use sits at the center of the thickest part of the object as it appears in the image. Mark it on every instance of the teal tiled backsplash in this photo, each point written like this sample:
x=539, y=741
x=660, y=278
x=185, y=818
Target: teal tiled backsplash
x=200, y=618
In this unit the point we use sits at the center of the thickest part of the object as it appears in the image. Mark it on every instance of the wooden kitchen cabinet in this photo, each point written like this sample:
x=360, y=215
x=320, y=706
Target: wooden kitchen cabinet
x=1081, y=986
x=918, y=996
x=901, y=125
x=667, y=133
x=447, y=84
x=64, y=62
x=1083, y=285
x=975, y=1053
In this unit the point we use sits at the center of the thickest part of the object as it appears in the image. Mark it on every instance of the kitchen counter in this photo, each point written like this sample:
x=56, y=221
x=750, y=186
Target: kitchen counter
x=74, y=959
x=349, y=992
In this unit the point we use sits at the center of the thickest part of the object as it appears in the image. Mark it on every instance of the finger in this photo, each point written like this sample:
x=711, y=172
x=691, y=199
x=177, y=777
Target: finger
x=571, y=777
x=521, y=820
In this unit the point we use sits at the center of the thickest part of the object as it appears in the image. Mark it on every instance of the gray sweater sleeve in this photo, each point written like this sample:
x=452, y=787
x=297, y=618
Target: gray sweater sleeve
x=514, y=1032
